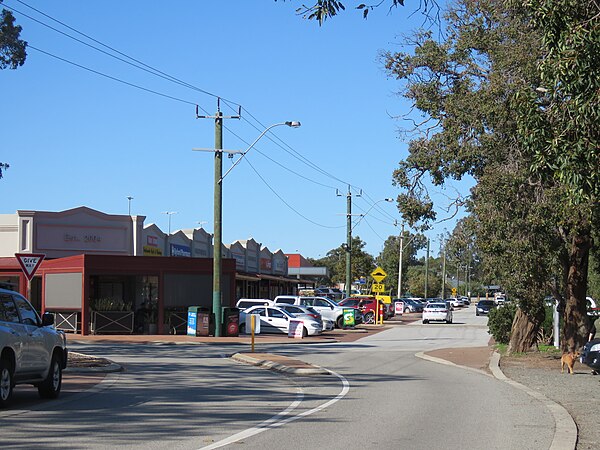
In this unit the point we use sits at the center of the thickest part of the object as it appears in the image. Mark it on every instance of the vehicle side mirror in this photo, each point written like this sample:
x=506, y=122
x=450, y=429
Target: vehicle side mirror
x=47, y=319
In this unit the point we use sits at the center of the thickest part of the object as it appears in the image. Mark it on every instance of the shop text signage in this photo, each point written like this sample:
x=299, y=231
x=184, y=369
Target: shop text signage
x=82, y=238
x=152, y=251
x=181, y=250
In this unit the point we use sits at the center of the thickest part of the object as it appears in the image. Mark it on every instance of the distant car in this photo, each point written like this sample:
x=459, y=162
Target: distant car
x=329, y=309
x=331, y=293
x=456, y=302
x=483, y=307
x=467, y=300
x=369, y=305
x=437, y=311
x=590, y=355
x=32, y=351
x=303, y=311
x=410, y=306
x=245, y=303
x=276, y=320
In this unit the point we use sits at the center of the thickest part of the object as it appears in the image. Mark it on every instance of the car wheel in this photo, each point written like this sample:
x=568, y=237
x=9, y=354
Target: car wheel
x=406, y=310
x=242, y=328
x=476, y=313
x=50, y=387
x=304, y=332
x=369, y=317
x=6, y=382
x=340, y=322
x=425, y=321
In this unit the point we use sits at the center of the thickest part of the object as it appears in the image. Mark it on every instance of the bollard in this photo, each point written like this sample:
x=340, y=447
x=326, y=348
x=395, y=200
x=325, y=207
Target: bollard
x=252, y=318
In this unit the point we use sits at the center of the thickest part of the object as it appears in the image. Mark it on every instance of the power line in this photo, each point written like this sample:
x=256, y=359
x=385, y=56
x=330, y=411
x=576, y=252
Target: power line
x=147, y=68
x=286, y=203
x=111, y=77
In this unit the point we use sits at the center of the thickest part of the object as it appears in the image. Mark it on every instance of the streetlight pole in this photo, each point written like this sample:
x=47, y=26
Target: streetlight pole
x=218, y=206
x=129, y=198
x=170, y=213
x=400, y=257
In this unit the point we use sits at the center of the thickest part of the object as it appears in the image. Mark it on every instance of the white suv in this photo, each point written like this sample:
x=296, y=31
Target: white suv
x=327, y=308
x=32, y=351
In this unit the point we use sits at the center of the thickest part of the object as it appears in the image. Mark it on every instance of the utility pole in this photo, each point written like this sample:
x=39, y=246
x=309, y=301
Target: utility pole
x=348, y=237
x=427, y=269
x=400, y=260
x=218, y=213
x=444, y=275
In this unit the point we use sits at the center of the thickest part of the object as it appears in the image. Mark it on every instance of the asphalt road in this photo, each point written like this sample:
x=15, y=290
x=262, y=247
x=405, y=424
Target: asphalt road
x=380, y=395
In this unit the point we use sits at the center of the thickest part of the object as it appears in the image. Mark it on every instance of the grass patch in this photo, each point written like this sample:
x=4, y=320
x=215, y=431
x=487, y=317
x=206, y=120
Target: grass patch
x=501, y=348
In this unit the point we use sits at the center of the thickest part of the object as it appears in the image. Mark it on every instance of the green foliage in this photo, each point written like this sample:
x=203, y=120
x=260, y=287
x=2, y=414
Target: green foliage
x=322, y=10
x=12, y=48
x=362, y=263
x=3, y=167
x=500, y=322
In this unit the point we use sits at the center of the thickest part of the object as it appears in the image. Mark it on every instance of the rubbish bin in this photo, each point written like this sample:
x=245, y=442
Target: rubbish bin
x=231, y=322
x=198, y=321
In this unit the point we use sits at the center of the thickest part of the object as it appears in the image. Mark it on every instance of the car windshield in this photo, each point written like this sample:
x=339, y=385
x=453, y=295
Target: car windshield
x=437, y=305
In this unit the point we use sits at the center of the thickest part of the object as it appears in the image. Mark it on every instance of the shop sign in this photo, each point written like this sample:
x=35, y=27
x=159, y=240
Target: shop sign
x=295, y=328
x=152, y=251
x=152, y=241
x=266, y=264
x=181, y=250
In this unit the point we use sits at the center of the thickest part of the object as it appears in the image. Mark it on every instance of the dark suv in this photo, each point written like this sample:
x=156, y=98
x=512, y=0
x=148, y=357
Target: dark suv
x=32, y=351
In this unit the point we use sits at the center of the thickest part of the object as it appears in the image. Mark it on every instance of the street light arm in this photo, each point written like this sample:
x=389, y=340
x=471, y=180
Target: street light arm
x=292, y=124
x=369, y=210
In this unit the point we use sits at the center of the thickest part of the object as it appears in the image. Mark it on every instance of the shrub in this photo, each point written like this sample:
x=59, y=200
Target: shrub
x=500, y=322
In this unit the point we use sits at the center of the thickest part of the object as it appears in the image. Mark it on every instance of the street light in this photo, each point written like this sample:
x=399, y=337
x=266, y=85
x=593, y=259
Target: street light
x=170, y=213
x=129, y=198
x=218, y=208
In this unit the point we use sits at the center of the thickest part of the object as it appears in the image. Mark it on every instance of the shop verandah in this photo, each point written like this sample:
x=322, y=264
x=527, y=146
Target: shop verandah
x=121, y=294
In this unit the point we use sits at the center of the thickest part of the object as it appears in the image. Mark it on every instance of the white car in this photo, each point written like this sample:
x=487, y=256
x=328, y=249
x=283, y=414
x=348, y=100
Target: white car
x=32, y=351
x=437, y=311
x=326, y=307
x=276, y=320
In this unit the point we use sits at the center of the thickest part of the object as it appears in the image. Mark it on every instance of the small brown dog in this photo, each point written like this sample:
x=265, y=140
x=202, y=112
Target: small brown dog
x=568, y=359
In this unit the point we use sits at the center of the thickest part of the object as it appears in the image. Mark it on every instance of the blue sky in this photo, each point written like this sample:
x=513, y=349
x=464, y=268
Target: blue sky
x=75, y=138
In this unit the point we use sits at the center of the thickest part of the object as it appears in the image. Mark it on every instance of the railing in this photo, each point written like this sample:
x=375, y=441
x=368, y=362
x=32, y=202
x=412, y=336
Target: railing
x=177, y=322
x=66, y=321
x=118, y=322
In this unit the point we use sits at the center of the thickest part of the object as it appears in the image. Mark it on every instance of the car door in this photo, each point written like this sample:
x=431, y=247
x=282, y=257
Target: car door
x=324, y=308
x=9, y=316
x=38, y=353
x=278, y=321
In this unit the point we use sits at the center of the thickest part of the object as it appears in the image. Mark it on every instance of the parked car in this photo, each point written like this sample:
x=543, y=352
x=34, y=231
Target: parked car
x=410, y=305
x=326, y=307
x=437, y=311
x=456, y=302
x=331, y=293
x=466, y=300
x=303, y=311
x=276, y=320
x=590, y=354
x=369, y=305
x=32, y=351
x=245, y=303
x=483, y=307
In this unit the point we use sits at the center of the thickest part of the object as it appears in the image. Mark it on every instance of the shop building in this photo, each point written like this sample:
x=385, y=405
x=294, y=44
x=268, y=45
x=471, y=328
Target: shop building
x=109, y=273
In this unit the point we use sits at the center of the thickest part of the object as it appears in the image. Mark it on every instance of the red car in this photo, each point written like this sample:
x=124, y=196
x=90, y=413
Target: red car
x=368, y=307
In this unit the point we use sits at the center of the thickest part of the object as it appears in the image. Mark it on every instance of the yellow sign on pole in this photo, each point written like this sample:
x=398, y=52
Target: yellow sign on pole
x=454, y=292
x=378, y=287
x=378, y=274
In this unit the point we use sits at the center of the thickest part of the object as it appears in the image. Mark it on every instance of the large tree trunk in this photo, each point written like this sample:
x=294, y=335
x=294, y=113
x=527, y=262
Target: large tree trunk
x=524, y=331
x=576, y=324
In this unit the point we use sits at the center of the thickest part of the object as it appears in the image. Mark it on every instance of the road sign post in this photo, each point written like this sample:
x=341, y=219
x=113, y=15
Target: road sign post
x=29, y=262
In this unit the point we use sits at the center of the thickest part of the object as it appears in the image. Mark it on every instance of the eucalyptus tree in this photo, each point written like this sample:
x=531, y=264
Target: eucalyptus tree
x=465, y=86
x=12, y=47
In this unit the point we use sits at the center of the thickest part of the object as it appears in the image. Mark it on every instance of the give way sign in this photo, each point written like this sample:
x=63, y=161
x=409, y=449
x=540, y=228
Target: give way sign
x=30, y=262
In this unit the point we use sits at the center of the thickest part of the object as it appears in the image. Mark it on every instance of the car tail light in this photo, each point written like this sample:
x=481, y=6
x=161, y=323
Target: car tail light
x=315, y=316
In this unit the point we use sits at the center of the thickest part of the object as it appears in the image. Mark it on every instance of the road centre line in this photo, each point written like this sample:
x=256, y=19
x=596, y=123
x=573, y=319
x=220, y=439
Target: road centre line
x=283, y=417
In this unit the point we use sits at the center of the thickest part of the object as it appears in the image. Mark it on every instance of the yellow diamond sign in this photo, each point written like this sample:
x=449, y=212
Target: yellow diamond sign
x=378, y=274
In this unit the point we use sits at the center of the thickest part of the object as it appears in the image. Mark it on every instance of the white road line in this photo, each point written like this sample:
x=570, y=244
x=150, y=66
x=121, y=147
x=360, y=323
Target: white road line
x=283, y=417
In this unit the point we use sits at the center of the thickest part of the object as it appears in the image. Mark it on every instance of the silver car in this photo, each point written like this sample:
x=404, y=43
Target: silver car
x=32, y=350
